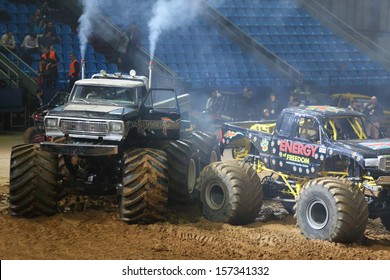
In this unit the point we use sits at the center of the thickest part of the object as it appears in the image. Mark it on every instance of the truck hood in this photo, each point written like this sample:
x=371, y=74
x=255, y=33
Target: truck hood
x=366, y=148
x=76, y=110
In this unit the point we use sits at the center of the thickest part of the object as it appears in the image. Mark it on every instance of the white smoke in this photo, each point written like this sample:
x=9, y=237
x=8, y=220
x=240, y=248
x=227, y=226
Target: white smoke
x=167, y=15
x=90, y=9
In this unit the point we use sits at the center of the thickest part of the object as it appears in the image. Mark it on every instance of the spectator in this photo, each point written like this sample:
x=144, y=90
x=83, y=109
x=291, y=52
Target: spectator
x=50, y=28
x=51, y=73
x=134, y=35
x=354, y=106
x=374, y=113
x=38, y=100
x=45, y=41
x=34, y=19
x=8, y=41
x=294, y=102
x=28, y=47
x=273, y=106
x=212, y=104
x=74, y=70
x=120, y=55
x=46, y=10
x=39, y=27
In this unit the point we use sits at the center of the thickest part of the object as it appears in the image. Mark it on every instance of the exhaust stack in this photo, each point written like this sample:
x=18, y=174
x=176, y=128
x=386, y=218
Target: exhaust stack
x=150, y=73
x=83, y=69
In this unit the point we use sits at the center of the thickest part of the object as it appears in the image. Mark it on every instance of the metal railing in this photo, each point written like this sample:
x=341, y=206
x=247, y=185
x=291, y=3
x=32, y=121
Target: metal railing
x=11, y=68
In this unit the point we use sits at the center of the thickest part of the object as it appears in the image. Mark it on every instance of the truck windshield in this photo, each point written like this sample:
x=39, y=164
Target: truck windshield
x=113, y=95
x=344, y=128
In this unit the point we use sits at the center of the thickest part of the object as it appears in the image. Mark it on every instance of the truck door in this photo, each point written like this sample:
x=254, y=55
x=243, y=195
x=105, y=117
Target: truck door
x=301, y=153
x=160, y=115
x=282, y=133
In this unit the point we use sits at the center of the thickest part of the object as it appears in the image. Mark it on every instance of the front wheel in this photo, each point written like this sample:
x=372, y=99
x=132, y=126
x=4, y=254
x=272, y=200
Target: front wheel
x=145, y=186
x=331, y=209
x=33, y=189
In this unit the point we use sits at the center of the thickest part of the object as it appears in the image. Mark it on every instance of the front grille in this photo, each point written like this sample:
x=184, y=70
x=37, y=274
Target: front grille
x=384, y=163
x=83, y=127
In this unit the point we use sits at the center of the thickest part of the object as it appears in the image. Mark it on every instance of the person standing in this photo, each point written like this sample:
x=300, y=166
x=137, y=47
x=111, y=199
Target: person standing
x=374, y=113
x=74, y=70
x=273, y=106
x=134, y=35
x=51, y=73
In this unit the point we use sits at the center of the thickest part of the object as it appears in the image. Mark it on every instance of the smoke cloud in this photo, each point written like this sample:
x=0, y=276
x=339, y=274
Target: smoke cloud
x=90, y=9
x=167, y=15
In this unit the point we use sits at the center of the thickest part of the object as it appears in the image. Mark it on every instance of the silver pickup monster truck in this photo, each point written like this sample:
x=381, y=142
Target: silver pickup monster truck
x=114, y=135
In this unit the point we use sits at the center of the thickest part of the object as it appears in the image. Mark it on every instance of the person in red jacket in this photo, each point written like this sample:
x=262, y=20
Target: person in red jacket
x=74, y=70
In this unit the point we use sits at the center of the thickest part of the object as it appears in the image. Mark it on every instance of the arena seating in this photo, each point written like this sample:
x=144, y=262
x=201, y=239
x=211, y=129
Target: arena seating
x=68, y=40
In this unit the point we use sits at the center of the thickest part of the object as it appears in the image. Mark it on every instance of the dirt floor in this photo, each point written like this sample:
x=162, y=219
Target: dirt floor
x=90, y=229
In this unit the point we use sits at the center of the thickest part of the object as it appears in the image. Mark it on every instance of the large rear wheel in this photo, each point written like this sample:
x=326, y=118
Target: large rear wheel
x=145, y=186
x=33, y=135
x=230, y=192
x=207, y=146
x=183, y=168
x=33, y=181
x=331, y=209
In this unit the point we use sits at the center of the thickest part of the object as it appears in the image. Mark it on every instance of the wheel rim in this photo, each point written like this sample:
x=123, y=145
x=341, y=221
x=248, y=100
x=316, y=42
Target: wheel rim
x=215, y=196
x=317, y=214
x=191, y=175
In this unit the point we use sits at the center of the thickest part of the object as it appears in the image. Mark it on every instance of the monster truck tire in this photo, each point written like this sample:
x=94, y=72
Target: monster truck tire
x=33, y=135
x=230, y=192
x=331, y=209
x=33, y=181
x=386, y=221
x=207, y=146
x=183, y=168
x=145, y=186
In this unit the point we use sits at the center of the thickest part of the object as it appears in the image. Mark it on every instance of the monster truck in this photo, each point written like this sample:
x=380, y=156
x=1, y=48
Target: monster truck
x=345, y=99
x=120, y=137
x=315, y=159
x=36, y=133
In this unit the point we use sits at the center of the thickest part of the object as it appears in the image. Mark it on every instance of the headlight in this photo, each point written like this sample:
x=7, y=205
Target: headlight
x=51, y=123
x=116, y=127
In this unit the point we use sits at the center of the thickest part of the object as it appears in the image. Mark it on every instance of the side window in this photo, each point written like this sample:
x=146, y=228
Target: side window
x=308, y=129
x=286, y=124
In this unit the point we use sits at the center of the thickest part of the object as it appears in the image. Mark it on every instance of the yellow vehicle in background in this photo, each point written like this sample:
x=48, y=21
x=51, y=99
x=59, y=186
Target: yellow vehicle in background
x=344, y=100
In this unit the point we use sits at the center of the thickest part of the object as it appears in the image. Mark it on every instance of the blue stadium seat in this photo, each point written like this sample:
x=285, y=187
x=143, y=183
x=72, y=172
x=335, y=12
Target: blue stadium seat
x=102, y=66
x=90, y=57
x=67, y=49
x=67, y=39
x=100, y=58
x=12, y=27
x=22, y=9
x=31, y=8
x=112, y=68
x=23, y=28
x=11, y=8
x=66, y=29
x=22, y=18
x=3, y=28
